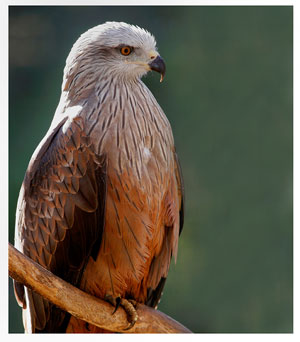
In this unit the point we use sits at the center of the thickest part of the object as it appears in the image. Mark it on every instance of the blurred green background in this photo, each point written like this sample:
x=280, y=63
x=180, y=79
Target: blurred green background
x=228, y=94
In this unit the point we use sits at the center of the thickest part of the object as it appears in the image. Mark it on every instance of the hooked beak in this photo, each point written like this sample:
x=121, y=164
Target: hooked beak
x=158, y=65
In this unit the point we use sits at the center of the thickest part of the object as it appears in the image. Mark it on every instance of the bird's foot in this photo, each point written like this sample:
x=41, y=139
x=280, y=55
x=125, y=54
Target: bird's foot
x=129, y=305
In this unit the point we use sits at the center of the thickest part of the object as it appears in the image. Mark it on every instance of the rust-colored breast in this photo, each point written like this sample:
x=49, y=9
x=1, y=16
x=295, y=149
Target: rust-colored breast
x=142, y=205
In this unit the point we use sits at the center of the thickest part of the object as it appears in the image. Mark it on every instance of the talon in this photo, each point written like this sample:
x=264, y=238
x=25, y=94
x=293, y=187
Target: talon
x=118, y=302
x=132, y=323
x=114, y=301
x=129, y=307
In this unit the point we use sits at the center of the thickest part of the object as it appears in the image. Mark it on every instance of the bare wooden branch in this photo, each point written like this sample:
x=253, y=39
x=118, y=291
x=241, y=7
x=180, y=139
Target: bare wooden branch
x=84, y=306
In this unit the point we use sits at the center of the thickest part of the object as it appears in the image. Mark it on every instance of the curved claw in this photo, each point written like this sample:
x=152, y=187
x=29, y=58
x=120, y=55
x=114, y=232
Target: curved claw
x=118, y=302
x=130, y=311
x=114, y=301
x=129, y=305
x=131, y=324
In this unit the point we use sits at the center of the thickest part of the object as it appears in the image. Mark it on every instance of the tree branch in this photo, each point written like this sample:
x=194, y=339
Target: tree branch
x=84, y=306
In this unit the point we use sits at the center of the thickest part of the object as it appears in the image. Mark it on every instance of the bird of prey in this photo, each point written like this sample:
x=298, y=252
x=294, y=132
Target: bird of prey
x=101, y=204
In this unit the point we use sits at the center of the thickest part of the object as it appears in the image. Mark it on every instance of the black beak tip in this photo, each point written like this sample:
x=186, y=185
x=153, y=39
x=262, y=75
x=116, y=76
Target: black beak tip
x=158, y=65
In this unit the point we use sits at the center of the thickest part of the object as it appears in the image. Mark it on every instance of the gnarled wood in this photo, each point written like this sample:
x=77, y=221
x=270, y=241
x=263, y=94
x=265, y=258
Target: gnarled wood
x=84, y=306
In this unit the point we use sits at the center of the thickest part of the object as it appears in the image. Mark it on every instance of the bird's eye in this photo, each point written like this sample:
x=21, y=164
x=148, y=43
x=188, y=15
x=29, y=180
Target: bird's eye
x=126, y=50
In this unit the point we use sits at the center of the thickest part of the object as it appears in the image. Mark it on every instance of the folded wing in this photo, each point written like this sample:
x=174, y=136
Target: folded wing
x=60, y=215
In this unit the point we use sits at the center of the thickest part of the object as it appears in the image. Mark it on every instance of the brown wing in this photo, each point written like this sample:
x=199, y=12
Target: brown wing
x=160, y=264
x=60, y=215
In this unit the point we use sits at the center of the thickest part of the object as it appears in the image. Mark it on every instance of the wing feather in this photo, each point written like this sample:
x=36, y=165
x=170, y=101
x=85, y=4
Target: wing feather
x=60, y=214
x=173, y=227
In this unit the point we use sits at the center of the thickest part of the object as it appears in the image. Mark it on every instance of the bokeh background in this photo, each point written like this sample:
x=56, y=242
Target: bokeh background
x=228, y=95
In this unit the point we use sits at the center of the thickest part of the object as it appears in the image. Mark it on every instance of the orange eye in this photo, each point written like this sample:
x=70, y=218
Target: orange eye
x=126, y=50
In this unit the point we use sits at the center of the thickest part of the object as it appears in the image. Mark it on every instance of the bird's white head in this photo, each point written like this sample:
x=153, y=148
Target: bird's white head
x=113, y=49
